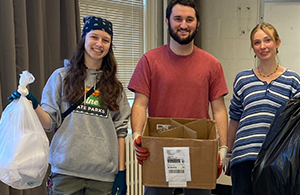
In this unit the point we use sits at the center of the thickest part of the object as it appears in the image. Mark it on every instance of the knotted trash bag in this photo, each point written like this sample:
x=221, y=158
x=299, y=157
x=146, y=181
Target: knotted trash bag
x=24, y=146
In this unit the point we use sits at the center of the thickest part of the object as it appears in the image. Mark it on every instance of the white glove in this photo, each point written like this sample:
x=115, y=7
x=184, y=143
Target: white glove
x=223, y=152
x=141, y=153
x=135, y=135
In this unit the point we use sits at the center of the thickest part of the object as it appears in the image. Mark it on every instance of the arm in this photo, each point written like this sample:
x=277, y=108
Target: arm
x=220, y=116
x=43, y=117
x=232, y=128
x=122, y=153
x=121, y=119
x=138, y=112
x=138, y=119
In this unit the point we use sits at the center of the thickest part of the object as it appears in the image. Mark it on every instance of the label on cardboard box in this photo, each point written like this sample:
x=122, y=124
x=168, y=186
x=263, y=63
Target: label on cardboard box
x=177, y=166
x=162, y=128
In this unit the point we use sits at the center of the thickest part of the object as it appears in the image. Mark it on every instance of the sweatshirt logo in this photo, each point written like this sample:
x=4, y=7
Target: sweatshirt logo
x=91, y=105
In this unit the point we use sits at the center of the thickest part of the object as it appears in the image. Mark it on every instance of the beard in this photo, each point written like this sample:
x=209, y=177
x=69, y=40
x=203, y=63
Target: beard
x=177, y=38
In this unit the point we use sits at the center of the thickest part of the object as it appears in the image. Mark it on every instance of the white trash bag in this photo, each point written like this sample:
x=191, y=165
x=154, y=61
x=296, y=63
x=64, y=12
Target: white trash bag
x=24, y=146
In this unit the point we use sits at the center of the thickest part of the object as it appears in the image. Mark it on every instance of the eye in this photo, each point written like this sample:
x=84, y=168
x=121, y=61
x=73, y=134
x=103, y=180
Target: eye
x=268, y=40
x=177, y=19
x=256, y=42
x=106, y=40
x=190, y=20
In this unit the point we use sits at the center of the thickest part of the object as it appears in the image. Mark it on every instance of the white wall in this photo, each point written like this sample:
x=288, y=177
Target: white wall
x=225, y=30
x=285, y=17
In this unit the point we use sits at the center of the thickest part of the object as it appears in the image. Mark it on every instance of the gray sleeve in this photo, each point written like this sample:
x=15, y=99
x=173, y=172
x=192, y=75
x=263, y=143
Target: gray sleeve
x=121, y=118
x=51, y=101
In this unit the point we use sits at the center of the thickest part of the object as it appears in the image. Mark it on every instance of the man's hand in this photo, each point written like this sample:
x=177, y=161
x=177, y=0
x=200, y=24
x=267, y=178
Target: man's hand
x=120, y=185
x=30, y=96
x=223, y=152
x=141, y=153
x=221, y=159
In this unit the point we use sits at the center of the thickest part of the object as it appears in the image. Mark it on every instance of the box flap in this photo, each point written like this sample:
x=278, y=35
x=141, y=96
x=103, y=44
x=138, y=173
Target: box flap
x=150, y=128
x=175, y=123
x=179, y=132
x=212, y=127
x=184, y=121
x=200, y=126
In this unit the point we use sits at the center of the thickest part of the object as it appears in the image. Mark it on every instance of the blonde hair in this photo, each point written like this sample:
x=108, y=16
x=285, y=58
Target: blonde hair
x=268, y=29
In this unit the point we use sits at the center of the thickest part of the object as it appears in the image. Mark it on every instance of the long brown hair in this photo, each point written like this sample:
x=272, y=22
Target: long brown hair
x=109, y=85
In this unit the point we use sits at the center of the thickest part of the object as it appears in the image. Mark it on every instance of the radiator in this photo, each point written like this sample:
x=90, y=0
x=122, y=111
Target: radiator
x=133, y=169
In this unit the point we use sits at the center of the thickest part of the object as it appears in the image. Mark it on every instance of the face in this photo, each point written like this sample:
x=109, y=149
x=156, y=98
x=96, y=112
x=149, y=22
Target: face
x=263, y=45
x=182, y=24
x=97, y=44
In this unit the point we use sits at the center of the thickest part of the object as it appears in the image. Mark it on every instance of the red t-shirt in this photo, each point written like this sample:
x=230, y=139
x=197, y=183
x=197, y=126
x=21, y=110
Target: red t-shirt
x=179, y=86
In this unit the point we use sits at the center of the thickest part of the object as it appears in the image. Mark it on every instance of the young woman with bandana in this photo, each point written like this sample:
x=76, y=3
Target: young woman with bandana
x=87, y=153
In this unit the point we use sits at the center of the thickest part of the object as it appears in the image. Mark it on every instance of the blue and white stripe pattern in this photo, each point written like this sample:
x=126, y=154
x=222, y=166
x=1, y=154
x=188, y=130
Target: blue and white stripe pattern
x=254, y=105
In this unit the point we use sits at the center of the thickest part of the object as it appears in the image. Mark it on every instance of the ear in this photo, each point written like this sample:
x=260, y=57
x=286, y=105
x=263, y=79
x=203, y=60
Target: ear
x=198, y=24
x=278, y=43
x=167, y=22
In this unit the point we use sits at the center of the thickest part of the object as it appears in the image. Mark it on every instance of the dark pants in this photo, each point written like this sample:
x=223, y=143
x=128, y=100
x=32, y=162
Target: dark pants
x=241, y=178
x=69, y=185
x=169, y=191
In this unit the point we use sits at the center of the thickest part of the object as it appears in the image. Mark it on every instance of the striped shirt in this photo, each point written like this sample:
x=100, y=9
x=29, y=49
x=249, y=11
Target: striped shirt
x=254, y=105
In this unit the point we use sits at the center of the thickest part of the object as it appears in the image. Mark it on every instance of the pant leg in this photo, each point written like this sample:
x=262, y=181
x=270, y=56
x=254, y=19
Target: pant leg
x=94, y=187
x=197, y=192
x=241, y=178
x=66, y=185
x=158, y=191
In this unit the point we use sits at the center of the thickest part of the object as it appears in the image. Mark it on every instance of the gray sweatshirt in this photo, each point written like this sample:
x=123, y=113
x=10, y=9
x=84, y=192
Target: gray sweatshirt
x=86, y=144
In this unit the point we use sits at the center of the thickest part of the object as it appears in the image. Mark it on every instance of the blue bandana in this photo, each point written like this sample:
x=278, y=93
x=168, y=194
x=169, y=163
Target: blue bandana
x=96, y=23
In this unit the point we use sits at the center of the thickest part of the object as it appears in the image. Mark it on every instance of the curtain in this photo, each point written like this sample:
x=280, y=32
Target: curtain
x=34, y=36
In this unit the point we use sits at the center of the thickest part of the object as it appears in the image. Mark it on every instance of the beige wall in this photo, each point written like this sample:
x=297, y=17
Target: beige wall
x=224, y=32
x=225, y=29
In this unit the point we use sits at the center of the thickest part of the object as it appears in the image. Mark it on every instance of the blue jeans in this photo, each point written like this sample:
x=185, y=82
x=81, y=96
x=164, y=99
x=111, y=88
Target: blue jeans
x=241, y=178
x=169, y=191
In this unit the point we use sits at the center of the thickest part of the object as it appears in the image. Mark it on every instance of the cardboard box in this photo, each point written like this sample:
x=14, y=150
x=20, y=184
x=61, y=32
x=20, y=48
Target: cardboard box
x=199, y=135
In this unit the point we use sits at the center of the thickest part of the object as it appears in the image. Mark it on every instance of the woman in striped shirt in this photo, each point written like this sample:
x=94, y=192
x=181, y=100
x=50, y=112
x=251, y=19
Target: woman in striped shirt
x=257, y=95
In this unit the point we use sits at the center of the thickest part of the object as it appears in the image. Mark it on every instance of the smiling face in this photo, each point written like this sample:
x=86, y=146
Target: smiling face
x=97, y=44
x=182, y=24
x=264, y=46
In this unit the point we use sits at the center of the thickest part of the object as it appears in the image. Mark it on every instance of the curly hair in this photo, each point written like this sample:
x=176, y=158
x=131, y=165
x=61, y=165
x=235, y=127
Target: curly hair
x=109, y=85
